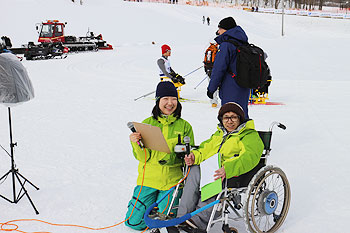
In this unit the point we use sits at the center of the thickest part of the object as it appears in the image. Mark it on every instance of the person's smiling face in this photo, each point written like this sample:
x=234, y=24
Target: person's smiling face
x=231, y=121
x=168, y=105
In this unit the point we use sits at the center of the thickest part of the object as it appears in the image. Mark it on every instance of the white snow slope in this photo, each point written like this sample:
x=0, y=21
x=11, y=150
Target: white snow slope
x=72, y=137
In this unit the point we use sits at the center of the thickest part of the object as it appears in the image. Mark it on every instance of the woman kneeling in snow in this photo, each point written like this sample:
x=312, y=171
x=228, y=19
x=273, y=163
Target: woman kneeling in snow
x=162, y=170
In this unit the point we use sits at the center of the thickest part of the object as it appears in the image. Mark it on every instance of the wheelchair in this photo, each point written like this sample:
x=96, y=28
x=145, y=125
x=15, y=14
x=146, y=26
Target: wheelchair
x=261, y=196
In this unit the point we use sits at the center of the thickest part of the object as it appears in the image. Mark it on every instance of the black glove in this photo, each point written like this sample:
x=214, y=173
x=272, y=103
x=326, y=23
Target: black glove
x=174, y=79
x=210, y=94
x=181, y=79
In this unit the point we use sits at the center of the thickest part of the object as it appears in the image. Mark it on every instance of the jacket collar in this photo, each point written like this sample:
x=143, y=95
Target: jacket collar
x=242, y=127
x=233, y=33
x=166, y=119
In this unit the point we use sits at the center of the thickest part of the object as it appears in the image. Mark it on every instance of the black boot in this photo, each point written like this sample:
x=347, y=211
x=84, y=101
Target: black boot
x=190, y=227
x=227, y=229
x=173, y=229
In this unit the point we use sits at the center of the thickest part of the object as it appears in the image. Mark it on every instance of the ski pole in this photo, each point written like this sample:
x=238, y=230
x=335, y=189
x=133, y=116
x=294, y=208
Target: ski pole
x=192, y=72
x=201, y=81
x=142, y=96
x=155, y=91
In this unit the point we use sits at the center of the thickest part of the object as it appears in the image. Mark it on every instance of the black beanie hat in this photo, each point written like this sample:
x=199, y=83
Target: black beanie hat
x=166, y=89
x=227, y=23
x=231, y=107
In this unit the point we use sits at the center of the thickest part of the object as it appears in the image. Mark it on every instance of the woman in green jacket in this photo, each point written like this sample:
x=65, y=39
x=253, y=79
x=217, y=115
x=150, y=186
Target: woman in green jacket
x=239, y=148
x=162, y=170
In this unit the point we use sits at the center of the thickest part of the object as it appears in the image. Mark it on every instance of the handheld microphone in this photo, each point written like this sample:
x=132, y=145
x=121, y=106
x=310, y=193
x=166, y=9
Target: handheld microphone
x=187, y=140
x=132, y=128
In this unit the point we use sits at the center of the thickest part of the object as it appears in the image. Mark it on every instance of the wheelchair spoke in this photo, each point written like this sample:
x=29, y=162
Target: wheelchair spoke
x=267, y=200
x=267, y=223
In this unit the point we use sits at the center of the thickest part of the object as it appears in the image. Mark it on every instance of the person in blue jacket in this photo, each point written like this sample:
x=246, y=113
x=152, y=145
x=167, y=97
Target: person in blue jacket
x=224, y=69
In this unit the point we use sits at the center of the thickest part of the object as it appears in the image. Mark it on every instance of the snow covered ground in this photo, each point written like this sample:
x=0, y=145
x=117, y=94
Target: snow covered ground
x=72, y=137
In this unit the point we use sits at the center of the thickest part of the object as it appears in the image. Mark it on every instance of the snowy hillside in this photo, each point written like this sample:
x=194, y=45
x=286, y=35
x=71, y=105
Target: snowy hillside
x=72, y=138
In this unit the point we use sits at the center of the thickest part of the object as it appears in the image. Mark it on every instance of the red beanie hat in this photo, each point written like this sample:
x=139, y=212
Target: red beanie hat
x=165, y=48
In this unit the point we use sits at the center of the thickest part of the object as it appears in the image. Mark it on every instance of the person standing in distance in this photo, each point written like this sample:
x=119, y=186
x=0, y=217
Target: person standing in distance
x=224, y=69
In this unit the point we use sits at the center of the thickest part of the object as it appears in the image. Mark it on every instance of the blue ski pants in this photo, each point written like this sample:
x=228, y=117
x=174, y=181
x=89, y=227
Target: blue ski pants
x=147, y=197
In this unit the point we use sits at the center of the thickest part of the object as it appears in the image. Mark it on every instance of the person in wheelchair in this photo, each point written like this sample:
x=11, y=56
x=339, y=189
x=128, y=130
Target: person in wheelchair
x=239, y=146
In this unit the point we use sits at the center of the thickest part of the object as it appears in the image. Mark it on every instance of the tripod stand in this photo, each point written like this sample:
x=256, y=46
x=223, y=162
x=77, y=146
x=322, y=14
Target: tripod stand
x=16, y=175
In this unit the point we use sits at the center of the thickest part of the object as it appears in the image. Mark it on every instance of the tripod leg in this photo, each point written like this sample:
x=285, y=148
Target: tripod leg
x=5, y=175
x=26, y=193
x=27, y=180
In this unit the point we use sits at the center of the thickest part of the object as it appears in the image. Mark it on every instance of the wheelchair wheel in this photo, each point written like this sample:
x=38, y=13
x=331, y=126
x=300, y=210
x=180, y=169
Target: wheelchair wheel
x=267, y=200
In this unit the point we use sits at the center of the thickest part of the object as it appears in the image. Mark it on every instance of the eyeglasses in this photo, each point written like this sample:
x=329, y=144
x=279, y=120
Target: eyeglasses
x=232, y=118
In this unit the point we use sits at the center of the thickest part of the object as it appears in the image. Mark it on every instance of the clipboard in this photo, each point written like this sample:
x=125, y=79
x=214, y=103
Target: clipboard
x=209, y=187
x=152, y=137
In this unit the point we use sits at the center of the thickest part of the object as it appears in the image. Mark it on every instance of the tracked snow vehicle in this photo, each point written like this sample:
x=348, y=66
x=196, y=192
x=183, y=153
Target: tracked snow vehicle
x=54, y=44
x=53, y=31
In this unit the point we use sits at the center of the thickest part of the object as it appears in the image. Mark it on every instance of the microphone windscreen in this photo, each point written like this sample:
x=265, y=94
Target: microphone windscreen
x=187, y=139
x=130, y=125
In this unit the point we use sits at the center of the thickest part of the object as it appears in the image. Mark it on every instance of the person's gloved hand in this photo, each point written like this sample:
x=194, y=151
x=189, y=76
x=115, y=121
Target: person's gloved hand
x=174, y=79
x=181, y=79
x=210, y=94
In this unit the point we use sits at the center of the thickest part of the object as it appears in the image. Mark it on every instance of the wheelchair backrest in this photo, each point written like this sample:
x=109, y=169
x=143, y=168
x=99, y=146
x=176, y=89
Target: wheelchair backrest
x=266, y=138
x=244, y=179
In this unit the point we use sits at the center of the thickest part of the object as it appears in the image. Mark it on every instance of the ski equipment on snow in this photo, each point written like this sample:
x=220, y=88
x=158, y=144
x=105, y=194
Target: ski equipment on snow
x=142, y=96
x=201, y=81
x=252, y=70
x=192, y=71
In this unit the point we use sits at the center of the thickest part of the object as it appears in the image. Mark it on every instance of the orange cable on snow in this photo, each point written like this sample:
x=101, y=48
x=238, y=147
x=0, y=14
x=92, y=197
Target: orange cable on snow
x=15, y=227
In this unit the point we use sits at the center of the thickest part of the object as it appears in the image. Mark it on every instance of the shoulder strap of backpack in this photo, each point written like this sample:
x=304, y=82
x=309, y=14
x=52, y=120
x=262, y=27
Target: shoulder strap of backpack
x=236, y=42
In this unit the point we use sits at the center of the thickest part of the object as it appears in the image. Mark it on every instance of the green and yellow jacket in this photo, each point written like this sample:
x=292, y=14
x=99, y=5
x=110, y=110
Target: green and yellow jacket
x=163, y=170
x=239, y=151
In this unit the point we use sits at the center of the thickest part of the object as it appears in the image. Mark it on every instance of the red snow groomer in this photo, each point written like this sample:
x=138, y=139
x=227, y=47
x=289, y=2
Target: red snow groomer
x=54, y=44
x=53, y=31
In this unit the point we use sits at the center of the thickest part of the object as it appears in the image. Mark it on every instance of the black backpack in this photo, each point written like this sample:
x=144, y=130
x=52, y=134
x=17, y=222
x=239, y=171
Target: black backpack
x=252, y=70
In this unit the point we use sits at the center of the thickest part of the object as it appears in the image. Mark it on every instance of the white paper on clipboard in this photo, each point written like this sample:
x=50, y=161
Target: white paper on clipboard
x=208, y=168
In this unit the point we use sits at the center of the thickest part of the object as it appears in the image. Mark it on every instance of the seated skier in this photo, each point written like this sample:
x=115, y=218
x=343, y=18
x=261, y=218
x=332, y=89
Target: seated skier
x=166, y=72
